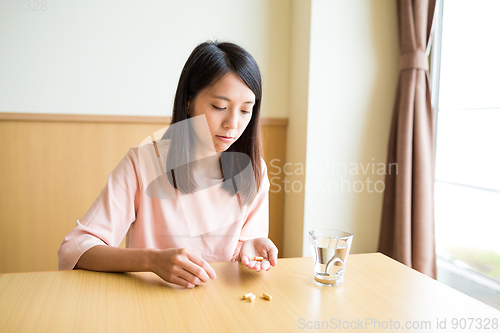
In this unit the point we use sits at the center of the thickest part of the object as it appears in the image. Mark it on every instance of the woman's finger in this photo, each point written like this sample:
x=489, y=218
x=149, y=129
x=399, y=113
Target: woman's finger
x=257, y=266
x=181, y=282
x=273, y=259
x=251, y=264
x=272, y=254
x=184, y=274
x=195, y=270
x=196, y=263
x=265, y=265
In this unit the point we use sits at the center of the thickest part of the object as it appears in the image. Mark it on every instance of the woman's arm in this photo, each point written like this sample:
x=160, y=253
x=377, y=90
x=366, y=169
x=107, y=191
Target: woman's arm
x=253, y=237
x=177, y=266
x=110, y=216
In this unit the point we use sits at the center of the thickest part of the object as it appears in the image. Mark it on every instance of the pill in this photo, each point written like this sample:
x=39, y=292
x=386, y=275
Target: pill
x=251, y=298
x=267, y=296
x=247, y=296
x=258, y=258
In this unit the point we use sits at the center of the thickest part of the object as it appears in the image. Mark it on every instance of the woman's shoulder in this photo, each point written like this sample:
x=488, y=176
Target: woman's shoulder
x=263, y=166
x=148, y=159
x=264, y=178
x=159, y=140
x=157, y=146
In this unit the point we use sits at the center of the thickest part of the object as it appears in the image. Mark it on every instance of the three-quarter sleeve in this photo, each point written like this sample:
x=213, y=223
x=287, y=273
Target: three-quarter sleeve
x=110, y=216
x=256, y=222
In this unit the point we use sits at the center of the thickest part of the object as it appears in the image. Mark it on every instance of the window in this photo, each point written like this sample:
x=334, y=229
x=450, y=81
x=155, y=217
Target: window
x=466, y=87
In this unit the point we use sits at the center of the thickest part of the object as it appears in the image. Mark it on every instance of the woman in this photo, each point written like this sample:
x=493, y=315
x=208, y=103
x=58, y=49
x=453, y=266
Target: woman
x=197, y=195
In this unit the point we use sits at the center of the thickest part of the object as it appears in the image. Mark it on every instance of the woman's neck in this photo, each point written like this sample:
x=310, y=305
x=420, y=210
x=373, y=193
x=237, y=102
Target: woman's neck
x=209, y=167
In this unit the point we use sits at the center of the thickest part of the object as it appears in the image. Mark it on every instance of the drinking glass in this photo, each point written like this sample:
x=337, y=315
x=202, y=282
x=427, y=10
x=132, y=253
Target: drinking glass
x=330, y=248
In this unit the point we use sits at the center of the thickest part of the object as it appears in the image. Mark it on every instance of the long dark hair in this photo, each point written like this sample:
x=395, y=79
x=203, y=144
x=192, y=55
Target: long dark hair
x=207, y=64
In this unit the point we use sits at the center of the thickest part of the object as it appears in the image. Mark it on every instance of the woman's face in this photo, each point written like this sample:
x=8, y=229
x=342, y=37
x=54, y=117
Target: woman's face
x=227, y=106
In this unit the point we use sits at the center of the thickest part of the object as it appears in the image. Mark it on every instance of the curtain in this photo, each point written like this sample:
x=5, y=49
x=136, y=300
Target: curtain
x=407, y=228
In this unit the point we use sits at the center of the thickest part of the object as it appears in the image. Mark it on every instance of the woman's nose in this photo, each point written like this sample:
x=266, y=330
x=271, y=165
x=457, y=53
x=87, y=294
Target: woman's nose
x=231, y=121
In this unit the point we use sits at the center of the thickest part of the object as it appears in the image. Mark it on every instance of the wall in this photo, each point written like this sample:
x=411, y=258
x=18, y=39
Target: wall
x=343, y=77
x=297, y=130
x=352, y=84
x=124, y=57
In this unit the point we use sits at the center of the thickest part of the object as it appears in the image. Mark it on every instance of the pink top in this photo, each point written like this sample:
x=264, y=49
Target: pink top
x=208, y=222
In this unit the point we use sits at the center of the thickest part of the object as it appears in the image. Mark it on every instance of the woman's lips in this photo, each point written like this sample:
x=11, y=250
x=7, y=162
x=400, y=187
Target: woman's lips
x=225, y=138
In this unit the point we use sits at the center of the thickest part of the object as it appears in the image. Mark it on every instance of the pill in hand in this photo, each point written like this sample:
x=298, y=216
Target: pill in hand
x=258, y=258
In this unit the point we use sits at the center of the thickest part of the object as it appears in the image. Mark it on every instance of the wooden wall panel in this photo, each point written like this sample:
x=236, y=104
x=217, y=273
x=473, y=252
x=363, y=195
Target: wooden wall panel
x=52, y=171
x=275, y=149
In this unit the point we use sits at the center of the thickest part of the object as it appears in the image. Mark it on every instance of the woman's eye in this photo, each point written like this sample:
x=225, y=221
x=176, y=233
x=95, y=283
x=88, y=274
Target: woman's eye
x=246, y=112
x=217, y=108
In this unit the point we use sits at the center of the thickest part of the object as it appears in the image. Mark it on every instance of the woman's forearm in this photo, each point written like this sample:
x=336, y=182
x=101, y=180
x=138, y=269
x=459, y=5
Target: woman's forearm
x=178, y=266
x=104, y=258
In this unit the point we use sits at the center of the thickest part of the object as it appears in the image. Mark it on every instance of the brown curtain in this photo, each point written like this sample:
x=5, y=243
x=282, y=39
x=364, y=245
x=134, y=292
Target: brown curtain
x=407, y=230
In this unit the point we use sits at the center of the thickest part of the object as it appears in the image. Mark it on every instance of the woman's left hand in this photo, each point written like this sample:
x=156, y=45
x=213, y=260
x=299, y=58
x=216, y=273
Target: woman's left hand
x=259, y=247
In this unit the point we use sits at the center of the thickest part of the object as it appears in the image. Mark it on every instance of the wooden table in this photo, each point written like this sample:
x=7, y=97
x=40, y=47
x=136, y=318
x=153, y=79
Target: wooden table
x=377, y=291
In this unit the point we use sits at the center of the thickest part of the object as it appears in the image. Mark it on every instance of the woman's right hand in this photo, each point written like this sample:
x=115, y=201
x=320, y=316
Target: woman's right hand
x=181, y=267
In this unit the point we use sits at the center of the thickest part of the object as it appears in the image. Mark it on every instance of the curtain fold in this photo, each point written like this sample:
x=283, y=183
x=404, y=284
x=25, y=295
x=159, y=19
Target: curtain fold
x=407, y=229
